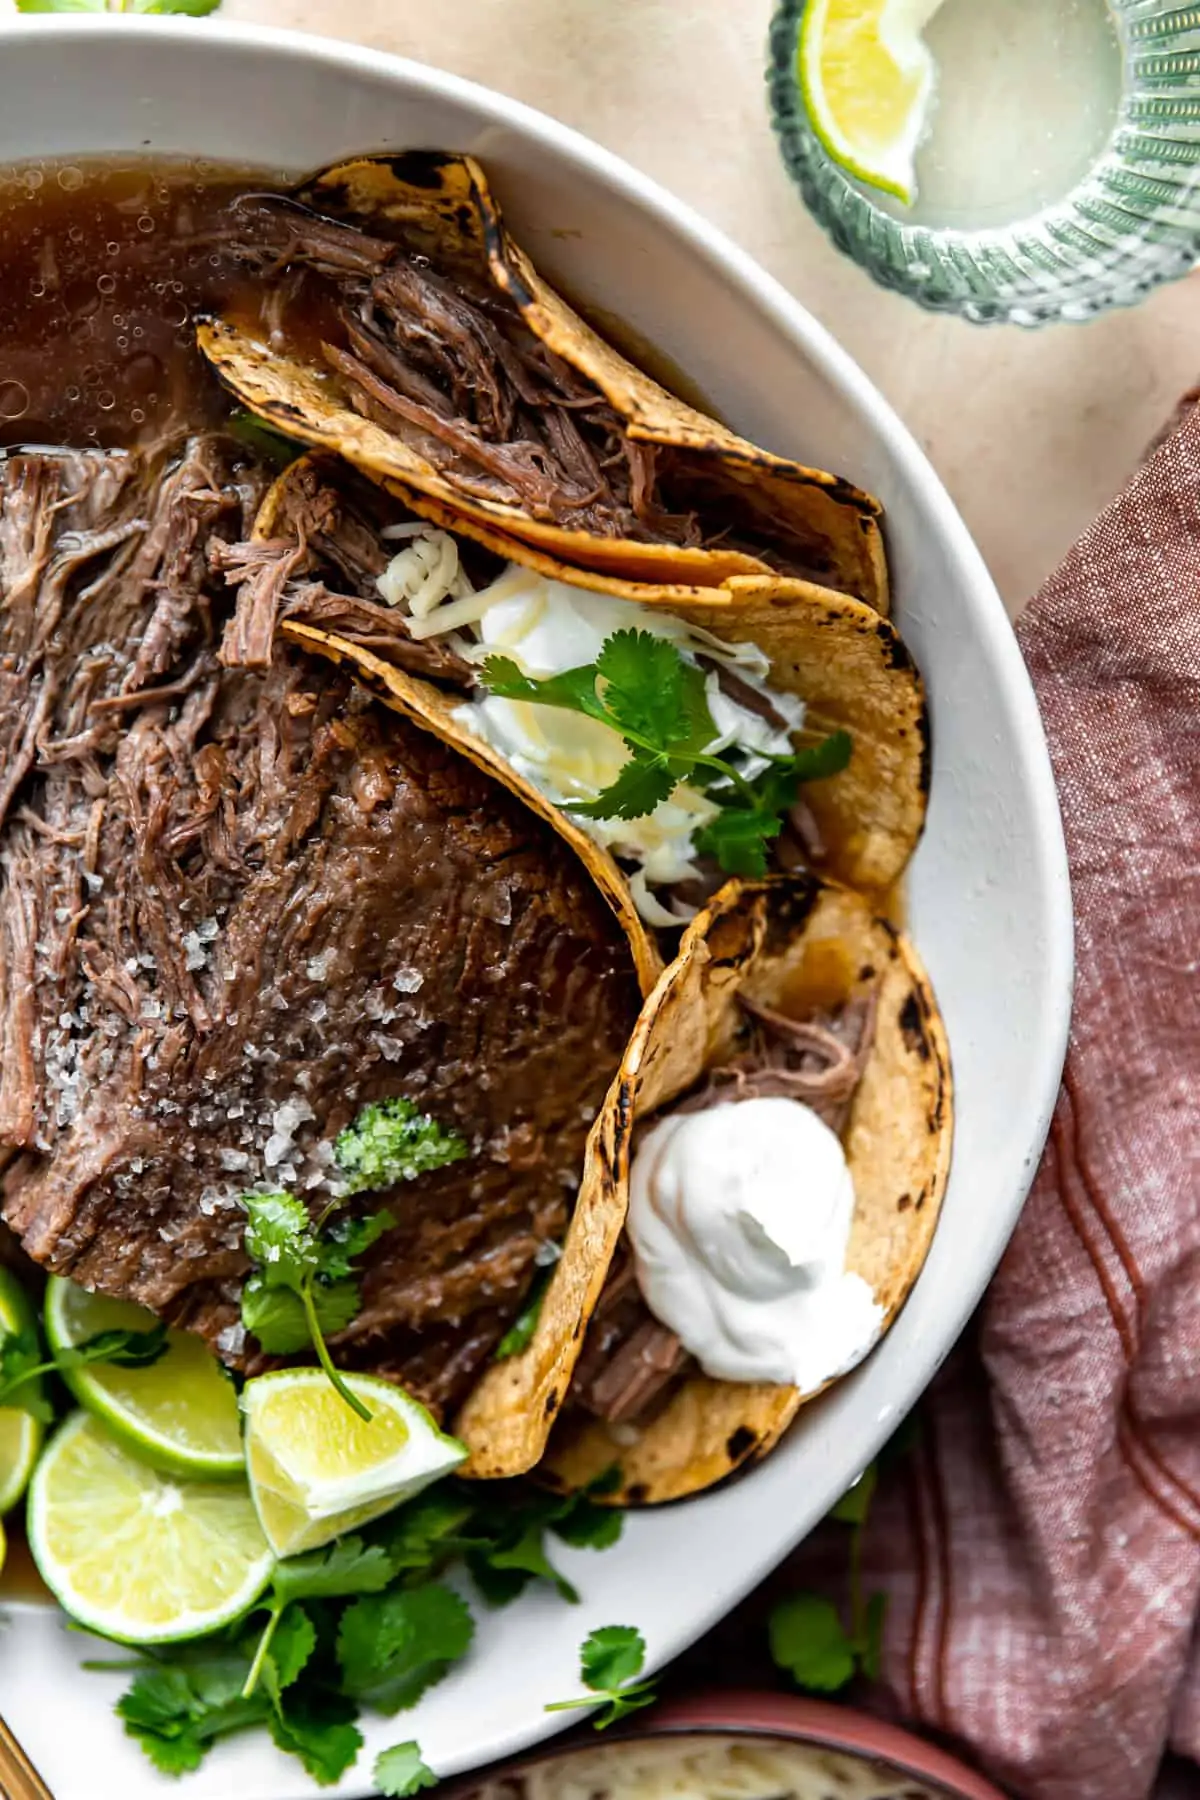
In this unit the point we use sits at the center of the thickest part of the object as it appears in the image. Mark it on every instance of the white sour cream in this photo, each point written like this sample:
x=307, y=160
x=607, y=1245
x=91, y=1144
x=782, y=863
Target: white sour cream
x=739, y=1218
x=547, y=627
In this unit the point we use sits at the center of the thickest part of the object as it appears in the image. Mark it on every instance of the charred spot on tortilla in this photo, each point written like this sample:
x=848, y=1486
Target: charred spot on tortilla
x=912, y=1024
x=894, y=646
x=420, y=168
x=740, y=1443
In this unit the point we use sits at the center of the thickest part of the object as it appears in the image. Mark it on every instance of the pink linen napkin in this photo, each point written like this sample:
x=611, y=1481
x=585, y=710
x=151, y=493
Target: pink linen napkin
x=1040, y=1547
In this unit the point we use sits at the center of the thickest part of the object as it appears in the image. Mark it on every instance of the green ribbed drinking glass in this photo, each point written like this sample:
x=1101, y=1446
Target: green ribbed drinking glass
x=1128, y=217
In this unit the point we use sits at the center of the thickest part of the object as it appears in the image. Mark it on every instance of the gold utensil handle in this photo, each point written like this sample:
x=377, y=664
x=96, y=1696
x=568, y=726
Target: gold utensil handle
x=19, y=1780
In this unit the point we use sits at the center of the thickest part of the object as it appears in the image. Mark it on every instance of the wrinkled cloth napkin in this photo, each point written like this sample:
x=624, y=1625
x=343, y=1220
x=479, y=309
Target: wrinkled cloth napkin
x=1040, y=1546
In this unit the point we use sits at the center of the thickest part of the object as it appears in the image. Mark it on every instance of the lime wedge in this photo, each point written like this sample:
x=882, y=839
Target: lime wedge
x=179, y=1414
x=317, y=1469
x=20, y=1432
x=868, y=81
x=140, y=1556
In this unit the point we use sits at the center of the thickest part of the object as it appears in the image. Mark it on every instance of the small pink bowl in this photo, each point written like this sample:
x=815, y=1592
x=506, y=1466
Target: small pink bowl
x=835, y=1728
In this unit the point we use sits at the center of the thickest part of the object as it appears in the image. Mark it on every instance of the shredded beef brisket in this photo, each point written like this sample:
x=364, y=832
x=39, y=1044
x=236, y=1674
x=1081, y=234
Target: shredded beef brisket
x=449, y=366
x=321, y=569
x=237, y=904
x=630, y=1363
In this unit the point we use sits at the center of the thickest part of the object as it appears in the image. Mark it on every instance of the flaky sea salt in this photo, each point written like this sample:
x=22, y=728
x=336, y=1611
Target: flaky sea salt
x=407, y=981
x=195, y=955
x=231, y=1340
x=318, y=967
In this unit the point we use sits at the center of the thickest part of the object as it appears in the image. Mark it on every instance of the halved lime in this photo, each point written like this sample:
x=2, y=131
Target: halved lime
x=867, y=81
x=179, y=1414
x=317, y=1469
x=141, y=1556
x=20, y=1433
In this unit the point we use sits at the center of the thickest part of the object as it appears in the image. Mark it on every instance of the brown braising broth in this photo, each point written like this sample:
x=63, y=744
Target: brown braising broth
x=105, y=265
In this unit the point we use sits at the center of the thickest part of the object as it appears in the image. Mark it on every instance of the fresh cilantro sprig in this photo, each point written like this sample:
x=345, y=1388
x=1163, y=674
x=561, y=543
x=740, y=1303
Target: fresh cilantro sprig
x=369, y=1620
x=645, y=690
x=392, y=1141
x=610, y=1662
x=22, y=1361
x=304, y=1285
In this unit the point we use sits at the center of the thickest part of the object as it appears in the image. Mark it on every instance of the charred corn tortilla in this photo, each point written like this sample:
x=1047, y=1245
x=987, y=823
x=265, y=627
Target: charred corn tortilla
x=792, y=943
x=441, y=205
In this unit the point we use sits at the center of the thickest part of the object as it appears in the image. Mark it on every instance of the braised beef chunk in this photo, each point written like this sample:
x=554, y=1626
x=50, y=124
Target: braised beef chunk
x=630, y=1363
x=237, y=906
x=449, y=366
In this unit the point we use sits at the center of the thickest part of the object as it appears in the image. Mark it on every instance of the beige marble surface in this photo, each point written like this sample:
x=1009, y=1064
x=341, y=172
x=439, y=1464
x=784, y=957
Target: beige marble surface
x=1031, y=432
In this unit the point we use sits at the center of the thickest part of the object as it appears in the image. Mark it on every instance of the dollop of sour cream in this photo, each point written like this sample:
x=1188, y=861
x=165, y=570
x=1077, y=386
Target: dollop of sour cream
x=739, y=1218
x=547, y=627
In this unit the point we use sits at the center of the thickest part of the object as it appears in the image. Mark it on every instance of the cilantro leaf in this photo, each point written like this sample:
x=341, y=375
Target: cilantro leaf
x=183, y=1752
x=293, y=1642
x=391, y=1647
x=287, y=1302
x=346, y=1567
x=808, y=1639
x=321, y=1732
x=651, y=692
x=610, y=1661
x=21, y=1363
x=276, y=1316
x=502, y=1572
x=739, y=835
x=126, y=1349
x=348, y=1239
x=612, y=1656
x=643, y=782
x=586, y=1526
x=280, y=1238
x=176, y=1711
x=401, y=1771
x=336, y=1304
x=737, y=839
x=391, y=1141
x=424, y=1535
x=573, y=691
x=656, y=699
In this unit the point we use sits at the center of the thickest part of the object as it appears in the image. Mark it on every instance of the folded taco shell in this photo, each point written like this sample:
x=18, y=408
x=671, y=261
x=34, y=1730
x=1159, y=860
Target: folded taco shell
x=796, y=944
x=440, y=204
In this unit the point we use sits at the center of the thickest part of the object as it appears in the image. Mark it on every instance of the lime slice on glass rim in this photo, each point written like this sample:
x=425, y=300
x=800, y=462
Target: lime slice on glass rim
x=179, y=1413
x=867, y=81
x=318, y=1470
x=20, y=1433
x=137, y=1555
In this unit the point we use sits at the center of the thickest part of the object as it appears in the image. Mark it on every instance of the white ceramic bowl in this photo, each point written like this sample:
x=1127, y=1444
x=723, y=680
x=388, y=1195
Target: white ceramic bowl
x=989, y=895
